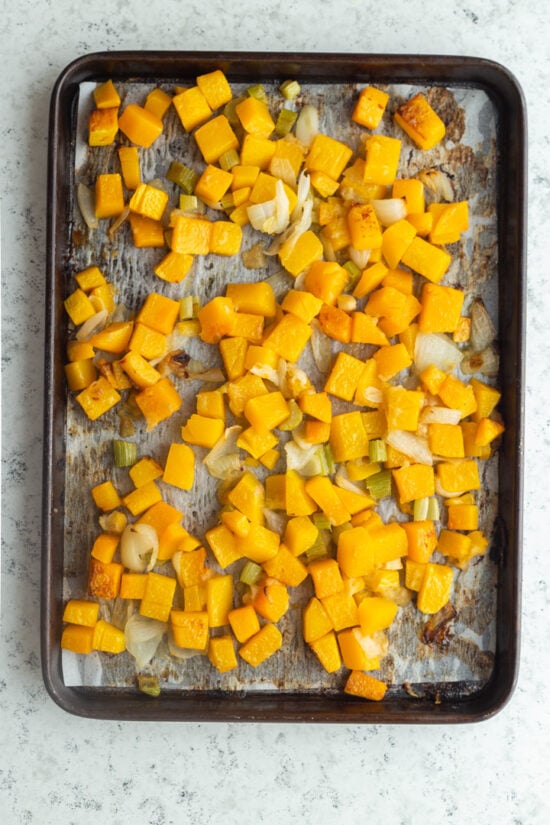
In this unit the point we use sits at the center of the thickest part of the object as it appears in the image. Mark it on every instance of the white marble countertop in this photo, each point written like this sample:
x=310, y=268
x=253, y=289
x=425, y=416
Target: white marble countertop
x=55, y=768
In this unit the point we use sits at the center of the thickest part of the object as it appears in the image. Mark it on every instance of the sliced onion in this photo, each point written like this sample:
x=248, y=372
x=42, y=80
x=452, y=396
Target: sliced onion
x=223, y=461
x=390, y=210
x=342, y=480
x=92, y=325
x=433, y=414
x=307, y=124
x=139, y=546
x=360, y=257
x=303, y=460
x=143, y=636
x=482, y=332
x=321, y=347
x=260, y=213
x=182, y=653
x=86, y=203
x=118, y=221
x=370, y=396
x=438, y=182
x=411, y=445
x=266, y=372
x=436, y=349
x=485, y=362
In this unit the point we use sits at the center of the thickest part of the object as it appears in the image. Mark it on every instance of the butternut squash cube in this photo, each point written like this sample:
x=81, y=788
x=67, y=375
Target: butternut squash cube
x=221, y=653
x=381, y=159
x=267, y=411
x=105, y=496
x=159, y=312
x=486, y=399
x=326, y=280
x=158, y=102
x=315, y=621
x=435, y=590
x=364, y=228
x=412, y=192
x=226, y=238
x=348, y=438
x=256, y=154
x=271, y=601
x=213, y=184
x=102, y=127
x=215, y=137
x=192, y=108
x=459, y=477
x=149, y=201
x=323, y=493
x=179, y=470
x=459, y=396
x=190, y=567
x=219, y=599
x=262, y=645
x=462, y=517
x=371, y=277
x=191, y=236
x=97, y=398
x=174, y=267
x=421, y=540
x=80, y=374
x=341, y=609
x=391, y=359
x=365, y=330
x=450, y=220
x=256, y=299
x=104, y=579
x=140, y=126
x=255, y=117
x=244, y=622
x=440, y=308
x=215, y=88
x=77, y=638
x=376, y=613
x=147, y=342
x=327, y=652
x=248, y=496
x=114, y=338
x=202, y=431
x=285, y=567
x=108, y=638
x=260, y=544
x=288, y=337
x=303, y=305
x=414, y=481
x=297, y=255
x=369, y=107
x=297, y=501
x=139, y=370
x=190, y=629
x=129, y=166
x=421, y=123
x=159, y=402
x=79, y=307
x=355, y=553
x=426, y=259
x=146, y=233
x=326, y=576
x=106, y=95
x=328, y=155
x=81, y=612
x=353, y=652
x=365, y=686
x=256, y=442
x=446, y=440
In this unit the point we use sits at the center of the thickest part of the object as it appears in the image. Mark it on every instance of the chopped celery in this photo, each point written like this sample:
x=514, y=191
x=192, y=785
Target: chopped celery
x=229, y=159
x=124, y=453
x=148, y=684
x=318, y=550
x=420, y=509
x=294, y=417
x=183, y=176
x=285, y=121
x=250, y=573
x=433, y=509
x=257, y=91
x=190, y=203
x=290, y=89
x=227, y=202
x=354, y=273
x=377, y=450
x=329, y=458
x=321, y=521
x=229, y=110
x=379, y=485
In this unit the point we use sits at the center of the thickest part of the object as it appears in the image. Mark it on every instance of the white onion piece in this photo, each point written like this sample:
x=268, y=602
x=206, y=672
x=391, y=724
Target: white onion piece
x=223, y=460
x=143, y=636
x=485, y=362
x=321, y=347
x=436, y=349
x=303, y=460
x=346, y=302
x=482, y=332
x=411, y=445
x=92, y=325
x=360, y=257
x=260, y=213
x=341, y=480
x=432, y=414
x=118, y=221
x=390, y=210
x=275, y=520
x=86, y=203
x=283, y=169
x=266, y=372
x=139, y=546
x=307, y=124
x=279, y=282
x=438, y=182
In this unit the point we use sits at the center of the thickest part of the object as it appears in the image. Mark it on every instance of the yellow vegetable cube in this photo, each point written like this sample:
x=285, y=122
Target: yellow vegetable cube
x=341, y=609
x=108, y=638
x=248, y=496
x=417, y=118
x=328, y=155
x=462, y=517
x=348, y=438
x=81, y=612
x=255, y=117
x=221, y=653
x=202, y=431
x=435, y=590
x=215, y=88
x=288, y=337
x=297, y=501
x=370, y=107
x=327, y=651
x=159, y=402
x=297, y=255
x=102, y=127
x=285, y=567
x=140, y=125
x=106, y=95
x=109, y=197
x=97, y=398
x=446, y=440
x=80, y=374
x=149, y=201
x=262, y=645
x=129, y=166
x=381, y=159
x=426, y=259
x=139, y=370
x=79, y=307
x=158, y=102
x=365, y=686
x=244, y=622
x=192, y=108
x=142, y=498
x=215, y=137
x=105, y=496
x=315, y=621
x=179, y=470
x=414, y=481
x=376, y=613
x=459, y=477
x=190, y=629
x=219, y=599
x=326, y=576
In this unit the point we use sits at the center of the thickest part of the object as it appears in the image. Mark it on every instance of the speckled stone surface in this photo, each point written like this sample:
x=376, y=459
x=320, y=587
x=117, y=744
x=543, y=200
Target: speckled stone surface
x=58, y=769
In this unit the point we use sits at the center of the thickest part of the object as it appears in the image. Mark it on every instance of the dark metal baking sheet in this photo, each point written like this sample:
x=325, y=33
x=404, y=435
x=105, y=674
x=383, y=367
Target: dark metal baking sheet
x=438, y=694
